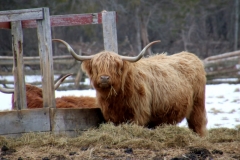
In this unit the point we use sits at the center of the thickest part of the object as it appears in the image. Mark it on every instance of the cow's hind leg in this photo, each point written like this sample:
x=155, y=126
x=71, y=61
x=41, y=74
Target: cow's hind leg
x=197, y=120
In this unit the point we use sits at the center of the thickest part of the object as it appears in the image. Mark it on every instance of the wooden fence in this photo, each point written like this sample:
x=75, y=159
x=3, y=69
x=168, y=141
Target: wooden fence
x=32, y=67
x=48, y=118
x=223, y=68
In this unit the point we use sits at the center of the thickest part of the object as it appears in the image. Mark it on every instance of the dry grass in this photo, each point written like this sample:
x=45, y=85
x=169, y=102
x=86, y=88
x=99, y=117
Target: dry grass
x=121, y=142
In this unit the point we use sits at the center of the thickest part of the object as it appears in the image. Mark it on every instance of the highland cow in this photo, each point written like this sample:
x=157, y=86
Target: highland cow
x=34, y=95
x=35, y=99
x=150, y=91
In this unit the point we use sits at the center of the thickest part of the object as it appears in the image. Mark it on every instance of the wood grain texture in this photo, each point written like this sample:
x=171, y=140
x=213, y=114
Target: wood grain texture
x=46, y=62
x=18, y=71
x=38, y=120
x=22, y=14
x=109, y=31
x=23, y=121
x=75, y=119
x=62, y=20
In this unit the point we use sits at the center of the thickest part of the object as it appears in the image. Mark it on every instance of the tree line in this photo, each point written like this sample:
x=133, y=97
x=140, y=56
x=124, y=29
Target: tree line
x=203, y=27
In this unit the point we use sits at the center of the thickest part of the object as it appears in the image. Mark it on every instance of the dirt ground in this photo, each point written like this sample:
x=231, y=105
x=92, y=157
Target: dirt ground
x=73, y=153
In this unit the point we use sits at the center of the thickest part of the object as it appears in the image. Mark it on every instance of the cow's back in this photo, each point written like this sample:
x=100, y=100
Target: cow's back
x=173, y=81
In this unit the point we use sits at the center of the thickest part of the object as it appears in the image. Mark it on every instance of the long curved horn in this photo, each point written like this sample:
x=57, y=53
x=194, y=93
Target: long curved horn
x=75, y=55
x=140, y=55
x=7, y=90
x=57, y=84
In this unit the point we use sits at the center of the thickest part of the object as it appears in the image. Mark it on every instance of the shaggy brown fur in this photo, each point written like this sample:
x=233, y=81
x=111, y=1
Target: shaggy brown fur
x=35, y=100
x=33, y=95
x=152, y=91
x=76, y=102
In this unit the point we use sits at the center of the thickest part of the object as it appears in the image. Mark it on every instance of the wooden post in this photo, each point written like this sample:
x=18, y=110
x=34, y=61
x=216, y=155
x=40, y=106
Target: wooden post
x=109, y=31
x=18, y=71
x=46, y=62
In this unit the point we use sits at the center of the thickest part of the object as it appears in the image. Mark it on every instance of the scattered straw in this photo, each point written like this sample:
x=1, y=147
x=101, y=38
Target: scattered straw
x=112, y=92
x=111, y=137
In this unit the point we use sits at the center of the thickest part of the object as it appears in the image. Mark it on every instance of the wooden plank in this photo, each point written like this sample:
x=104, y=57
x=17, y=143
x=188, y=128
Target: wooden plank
x=222, y=56
x=38, y=72
x=23, y=121
x=22, y=14
x=19, y=76
x=109, y=31
x=5, y=25
x=222, y=72
x=8, y=60
x=62, y=20
x=37, y=120
x=75, y=119
x=69, y=84
x=46, y=62
x=75, y=19
x=222, y=61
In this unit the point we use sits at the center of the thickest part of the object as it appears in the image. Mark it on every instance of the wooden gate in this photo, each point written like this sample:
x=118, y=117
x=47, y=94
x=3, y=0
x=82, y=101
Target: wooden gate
x=48, y=118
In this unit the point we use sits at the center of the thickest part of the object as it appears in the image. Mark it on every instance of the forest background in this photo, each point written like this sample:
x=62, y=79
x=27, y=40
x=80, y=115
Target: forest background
x=203, y=27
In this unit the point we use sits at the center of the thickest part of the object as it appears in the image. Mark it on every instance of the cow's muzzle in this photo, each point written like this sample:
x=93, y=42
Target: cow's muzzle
x=104, y=82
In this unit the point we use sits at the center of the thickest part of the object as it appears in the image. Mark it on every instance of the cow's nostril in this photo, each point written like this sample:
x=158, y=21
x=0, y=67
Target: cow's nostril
x=104, y=77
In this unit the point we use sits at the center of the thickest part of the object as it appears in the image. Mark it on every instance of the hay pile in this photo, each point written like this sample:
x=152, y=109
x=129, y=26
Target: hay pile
x=126, y=140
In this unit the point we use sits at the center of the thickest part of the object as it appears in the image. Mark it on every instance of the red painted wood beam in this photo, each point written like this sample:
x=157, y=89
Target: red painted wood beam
x=62, y=20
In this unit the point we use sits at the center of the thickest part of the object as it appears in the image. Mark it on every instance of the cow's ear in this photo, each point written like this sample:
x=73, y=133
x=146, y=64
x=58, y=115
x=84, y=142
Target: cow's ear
x=87, y=66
